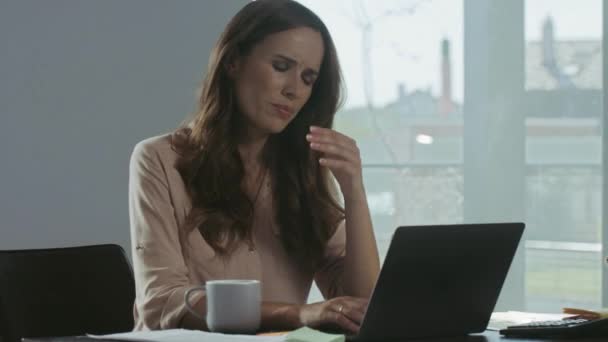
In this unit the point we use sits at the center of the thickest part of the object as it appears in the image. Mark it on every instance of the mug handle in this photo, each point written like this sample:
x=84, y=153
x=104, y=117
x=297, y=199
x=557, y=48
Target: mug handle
x=187, y=300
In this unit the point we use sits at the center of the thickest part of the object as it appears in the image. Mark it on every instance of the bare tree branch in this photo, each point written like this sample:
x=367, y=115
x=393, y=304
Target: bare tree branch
x=360, y=16
x=405, y=10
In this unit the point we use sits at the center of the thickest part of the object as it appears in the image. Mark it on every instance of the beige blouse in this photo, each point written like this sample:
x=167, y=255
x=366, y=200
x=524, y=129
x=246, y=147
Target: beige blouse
x=167, y=260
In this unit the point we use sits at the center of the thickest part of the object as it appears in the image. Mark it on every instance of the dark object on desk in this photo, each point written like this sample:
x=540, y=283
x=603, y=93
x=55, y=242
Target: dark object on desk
x=440, y=281
x=65, y=291
x=571, y=327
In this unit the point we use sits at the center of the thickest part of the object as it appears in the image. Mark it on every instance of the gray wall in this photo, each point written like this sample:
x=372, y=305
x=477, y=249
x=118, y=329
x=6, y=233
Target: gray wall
x=80, y=83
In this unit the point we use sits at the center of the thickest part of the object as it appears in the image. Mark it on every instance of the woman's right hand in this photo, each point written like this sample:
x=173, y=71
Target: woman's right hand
x=342, y=313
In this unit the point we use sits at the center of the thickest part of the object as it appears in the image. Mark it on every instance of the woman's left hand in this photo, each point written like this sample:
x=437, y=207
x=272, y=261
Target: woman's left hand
x=341, y=155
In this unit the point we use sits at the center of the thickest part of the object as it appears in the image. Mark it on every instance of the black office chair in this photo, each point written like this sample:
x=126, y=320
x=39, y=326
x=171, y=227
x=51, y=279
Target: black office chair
x=65, y=292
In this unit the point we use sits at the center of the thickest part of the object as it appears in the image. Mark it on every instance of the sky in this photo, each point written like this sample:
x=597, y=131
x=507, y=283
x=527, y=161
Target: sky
x=406, y=45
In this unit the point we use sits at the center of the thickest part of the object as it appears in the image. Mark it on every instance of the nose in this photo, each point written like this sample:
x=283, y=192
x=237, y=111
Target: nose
x=292, y=87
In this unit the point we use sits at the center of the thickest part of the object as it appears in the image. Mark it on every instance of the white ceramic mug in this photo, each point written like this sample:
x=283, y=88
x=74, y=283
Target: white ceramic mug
x=233, y=306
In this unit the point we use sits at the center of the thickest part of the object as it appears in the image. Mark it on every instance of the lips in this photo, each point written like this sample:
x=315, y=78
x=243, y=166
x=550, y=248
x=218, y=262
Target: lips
x=283, y=111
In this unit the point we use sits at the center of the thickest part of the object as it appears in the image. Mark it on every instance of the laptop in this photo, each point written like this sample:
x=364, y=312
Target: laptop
x=439, y=281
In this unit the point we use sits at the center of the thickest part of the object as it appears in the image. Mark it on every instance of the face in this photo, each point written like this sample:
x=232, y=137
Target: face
x=276, y=79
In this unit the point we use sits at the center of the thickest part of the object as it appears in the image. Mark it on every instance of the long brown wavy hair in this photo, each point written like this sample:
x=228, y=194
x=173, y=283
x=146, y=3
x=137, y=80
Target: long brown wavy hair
x=304, y=195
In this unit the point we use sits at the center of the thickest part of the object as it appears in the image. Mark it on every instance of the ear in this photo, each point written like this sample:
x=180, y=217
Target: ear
x=233, y=67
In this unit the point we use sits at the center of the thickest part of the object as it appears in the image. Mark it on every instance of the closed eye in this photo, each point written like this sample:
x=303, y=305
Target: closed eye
x=283, y=63
x=309, y=77
x=280, y=66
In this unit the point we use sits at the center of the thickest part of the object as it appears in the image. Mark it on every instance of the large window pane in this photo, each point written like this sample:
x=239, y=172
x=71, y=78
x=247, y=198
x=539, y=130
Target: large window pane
x=526, y=145
x=563, y=152
x=402, y=63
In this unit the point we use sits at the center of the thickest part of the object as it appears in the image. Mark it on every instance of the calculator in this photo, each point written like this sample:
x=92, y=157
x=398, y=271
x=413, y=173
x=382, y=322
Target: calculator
x=568, y=327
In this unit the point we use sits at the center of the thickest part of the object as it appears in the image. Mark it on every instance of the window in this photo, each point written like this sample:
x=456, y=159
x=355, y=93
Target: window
x=482, y=111
x=563, y=111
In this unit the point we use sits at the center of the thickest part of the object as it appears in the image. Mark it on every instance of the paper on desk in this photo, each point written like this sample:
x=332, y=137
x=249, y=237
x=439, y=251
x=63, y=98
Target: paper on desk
x=183, y=335
x=501, y=320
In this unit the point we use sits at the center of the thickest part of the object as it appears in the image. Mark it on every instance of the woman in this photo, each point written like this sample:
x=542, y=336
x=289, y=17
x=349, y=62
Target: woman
x=243, y=190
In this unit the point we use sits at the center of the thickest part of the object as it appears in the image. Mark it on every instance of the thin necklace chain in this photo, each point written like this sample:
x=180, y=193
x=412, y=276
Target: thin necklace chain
x=257, y=193
x=255, y=200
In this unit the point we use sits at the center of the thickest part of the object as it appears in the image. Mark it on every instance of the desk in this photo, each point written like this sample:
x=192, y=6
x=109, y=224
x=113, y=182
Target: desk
x=488, y=336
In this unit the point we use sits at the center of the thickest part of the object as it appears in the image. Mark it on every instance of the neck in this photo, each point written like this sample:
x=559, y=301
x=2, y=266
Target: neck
x=251, y=152
x=251, y=148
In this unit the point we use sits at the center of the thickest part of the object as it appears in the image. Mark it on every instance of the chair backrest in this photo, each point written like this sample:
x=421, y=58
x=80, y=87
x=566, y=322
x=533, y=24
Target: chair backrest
x=65, y=292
